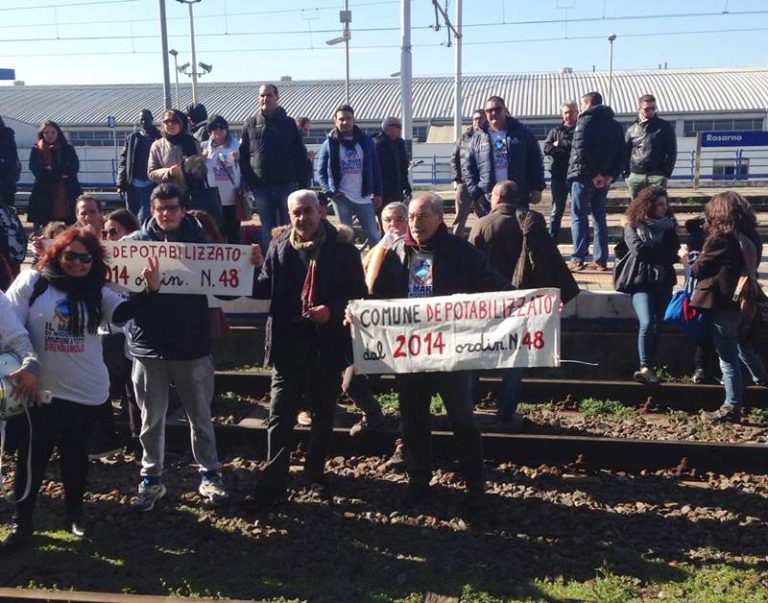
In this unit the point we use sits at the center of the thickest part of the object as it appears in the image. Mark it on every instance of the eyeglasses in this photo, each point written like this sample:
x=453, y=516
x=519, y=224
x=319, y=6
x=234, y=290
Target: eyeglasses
x=83, y=258
x=496, y=109
x=169, y=122
x=110, y=232
x=393, y=219
x=166, y=208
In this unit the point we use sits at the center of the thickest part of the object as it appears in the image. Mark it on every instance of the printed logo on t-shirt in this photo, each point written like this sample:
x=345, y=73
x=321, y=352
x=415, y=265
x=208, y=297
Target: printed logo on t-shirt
x=500, y=154
x=58, y=335
x=420, y=275
x=222, y=172
x=351, y=162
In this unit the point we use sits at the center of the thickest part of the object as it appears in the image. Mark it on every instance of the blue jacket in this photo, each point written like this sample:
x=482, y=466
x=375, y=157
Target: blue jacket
x=526, y=164
x=172, y=326
x=330, y=164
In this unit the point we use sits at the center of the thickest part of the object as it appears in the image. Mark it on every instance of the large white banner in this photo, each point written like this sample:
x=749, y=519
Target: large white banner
x=502, y=329
x=208, y=269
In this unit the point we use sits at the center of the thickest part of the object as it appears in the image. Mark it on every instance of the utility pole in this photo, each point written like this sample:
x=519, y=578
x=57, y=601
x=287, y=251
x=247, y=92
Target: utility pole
x=458, y=105
x=164, y=43
x=406, y=75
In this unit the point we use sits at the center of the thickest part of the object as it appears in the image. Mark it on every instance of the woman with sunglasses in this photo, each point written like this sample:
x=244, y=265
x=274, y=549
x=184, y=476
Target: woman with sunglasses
x=221, y=152
x=61, y=303
x=169, y=155
x=54, y=163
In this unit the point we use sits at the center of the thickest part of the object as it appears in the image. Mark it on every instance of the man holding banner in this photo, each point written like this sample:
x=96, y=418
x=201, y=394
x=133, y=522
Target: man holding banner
x=427, y=262
x=310, y=276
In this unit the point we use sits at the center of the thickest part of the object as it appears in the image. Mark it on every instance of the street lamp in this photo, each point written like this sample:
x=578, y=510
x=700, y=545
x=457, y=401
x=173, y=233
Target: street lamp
x=175, y=54
x=611, y=39
x=345, y=17
x=189, y=3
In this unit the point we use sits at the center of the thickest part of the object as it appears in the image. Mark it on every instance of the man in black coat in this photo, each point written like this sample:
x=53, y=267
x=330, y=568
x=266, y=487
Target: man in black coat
x=464, y=203
x=650, y=149
x=596, y=156
x=557, y=146
x=393, y=159
x=10, y=168
x=310, y=275
x=429, y=261
x=132, y=177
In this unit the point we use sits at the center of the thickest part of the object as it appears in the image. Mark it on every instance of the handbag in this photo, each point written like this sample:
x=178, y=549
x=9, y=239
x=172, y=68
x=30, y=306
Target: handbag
x=244, y=199
x=681, y=314
x=207, y=200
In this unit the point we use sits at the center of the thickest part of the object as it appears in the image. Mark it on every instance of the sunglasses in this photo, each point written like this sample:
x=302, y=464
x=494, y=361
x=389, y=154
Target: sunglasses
x=112, y=232
x=496, y=109
x=83, y=258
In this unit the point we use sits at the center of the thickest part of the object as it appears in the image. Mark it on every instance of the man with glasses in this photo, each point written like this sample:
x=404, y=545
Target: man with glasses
x=650, y=149
x=507, y=150
x=273, y=160
x=595, y=162
x=170, y=342
x=390, y=147
x=464, y=204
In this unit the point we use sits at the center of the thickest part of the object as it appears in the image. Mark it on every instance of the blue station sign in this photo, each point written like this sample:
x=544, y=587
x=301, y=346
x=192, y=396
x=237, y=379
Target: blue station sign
x=7, y=74
x=734, y=139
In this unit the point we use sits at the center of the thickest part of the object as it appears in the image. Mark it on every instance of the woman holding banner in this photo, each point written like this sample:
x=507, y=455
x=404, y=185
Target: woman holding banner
x=61, y=303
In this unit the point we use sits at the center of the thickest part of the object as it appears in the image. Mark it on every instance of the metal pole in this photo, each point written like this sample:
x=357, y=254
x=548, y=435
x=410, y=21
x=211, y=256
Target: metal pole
x=611, y=38
x=457, y=108
x=176, y=73
x=406, y=75
x=346, y=52
x=697, y=162
x=164, y=44
x=194, y=56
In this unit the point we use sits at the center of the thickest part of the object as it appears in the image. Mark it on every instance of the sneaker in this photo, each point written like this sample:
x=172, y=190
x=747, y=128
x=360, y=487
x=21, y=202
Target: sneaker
x=397, y=460
x=304, y=419
x=367, y=424
x=212, y=488
x=150, y=491
x=645, y=375
x=724, y=414
x=597, y=267
x=575, y=265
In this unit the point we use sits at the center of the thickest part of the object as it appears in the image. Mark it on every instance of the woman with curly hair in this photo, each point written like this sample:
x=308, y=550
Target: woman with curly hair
x=651, y=236
x=61, y=303
x=732, y=247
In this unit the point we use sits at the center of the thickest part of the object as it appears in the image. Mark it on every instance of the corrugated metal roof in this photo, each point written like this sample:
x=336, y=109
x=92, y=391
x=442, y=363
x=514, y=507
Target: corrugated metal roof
x=687, y=91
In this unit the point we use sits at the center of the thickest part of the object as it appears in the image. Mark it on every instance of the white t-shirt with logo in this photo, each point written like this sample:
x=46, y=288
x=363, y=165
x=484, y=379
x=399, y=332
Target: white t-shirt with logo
x=420, y=274
x=351, y=160
x=220, y=163
x=71, y=366
x=500, y=154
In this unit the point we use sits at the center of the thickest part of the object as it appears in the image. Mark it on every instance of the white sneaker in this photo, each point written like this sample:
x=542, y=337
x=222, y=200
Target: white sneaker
x=645, y=375
x=148, y=496
x=213, y=489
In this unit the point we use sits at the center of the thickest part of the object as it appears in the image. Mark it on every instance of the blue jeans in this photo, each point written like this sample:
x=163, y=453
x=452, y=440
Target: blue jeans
x=272, y=205
x=560, y=190
x=649, y=307
x=137, y=201
x=508, y=394
x=366, y=215
x=725, y=335
x=585, y=198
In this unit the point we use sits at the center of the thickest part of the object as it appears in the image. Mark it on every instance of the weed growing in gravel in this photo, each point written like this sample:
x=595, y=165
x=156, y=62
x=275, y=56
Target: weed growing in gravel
x=592, y=407
x=389, y=403
x=528, y=408
x=436, y=406
x=758, y=415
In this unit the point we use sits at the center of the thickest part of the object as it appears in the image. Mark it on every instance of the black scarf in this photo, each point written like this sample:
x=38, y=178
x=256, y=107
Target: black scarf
x=186, y=141
x=83, y=297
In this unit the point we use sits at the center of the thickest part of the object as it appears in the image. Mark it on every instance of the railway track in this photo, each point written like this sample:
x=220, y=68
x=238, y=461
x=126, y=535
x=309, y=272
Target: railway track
x=685, y=458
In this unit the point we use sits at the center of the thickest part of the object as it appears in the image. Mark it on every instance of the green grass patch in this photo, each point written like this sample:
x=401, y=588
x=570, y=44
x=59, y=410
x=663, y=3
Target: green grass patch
x=758, y=415
x=528, y=408
x=592, y=407
x=390, y=404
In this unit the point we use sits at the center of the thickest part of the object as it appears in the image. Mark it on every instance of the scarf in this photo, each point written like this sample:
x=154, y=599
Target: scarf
x=651, y=230
x=83, y=298
x=46, y=150
x=312, y=248
x=183, y=140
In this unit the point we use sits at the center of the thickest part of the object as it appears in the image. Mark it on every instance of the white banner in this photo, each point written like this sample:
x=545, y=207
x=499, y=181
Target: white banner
x=208, y=269
x=502, y=329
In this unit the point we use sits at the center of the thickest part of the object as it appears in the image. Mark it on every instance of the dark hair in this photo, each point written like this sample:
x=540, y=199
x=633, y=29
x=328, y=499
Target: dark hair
x=646, y=98
x=167, y=191
x=641, y=207
x=495, y=99
x=88, y=199
x=302, y=121
x=217, y=121
x=53, y=229
x=274, y=88
x=88, y=288
x=197, y=113
x=179, y=116
x=124, y=218
x=60, y=138
x=593, y=98
x=345, y=108
x=210, y=229
x=478, y=112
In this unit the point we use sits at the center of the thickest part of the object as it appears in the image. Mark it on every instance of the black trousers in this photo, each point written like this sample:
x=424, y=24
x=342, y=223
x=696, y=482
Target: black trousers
x=63, y=423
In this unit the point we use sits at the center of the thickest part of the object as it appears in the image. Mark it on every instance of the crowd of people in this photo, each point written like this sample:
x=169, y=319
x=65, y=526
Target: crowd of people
x=187, y=182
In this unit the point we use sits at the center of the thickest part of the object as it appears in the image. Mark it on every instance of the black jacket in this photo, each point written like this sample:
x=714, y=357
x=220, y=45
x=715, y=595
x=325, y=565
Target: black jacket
x=172, y=326
x=458, y=268
x=126, y=167
x=598, y=145
x=458, y=151
x=648, y=266
x=10, y=168
x=560, y=154
x=65, y=163
x=271, y=151
x=650, y=148
x=394, y=167
x=339, y=278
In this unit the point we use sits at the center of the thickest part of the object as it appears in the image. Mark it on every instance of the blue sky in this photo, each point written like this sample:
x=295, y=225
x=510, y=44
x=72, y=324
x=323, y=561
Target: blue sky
x=118, y=41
